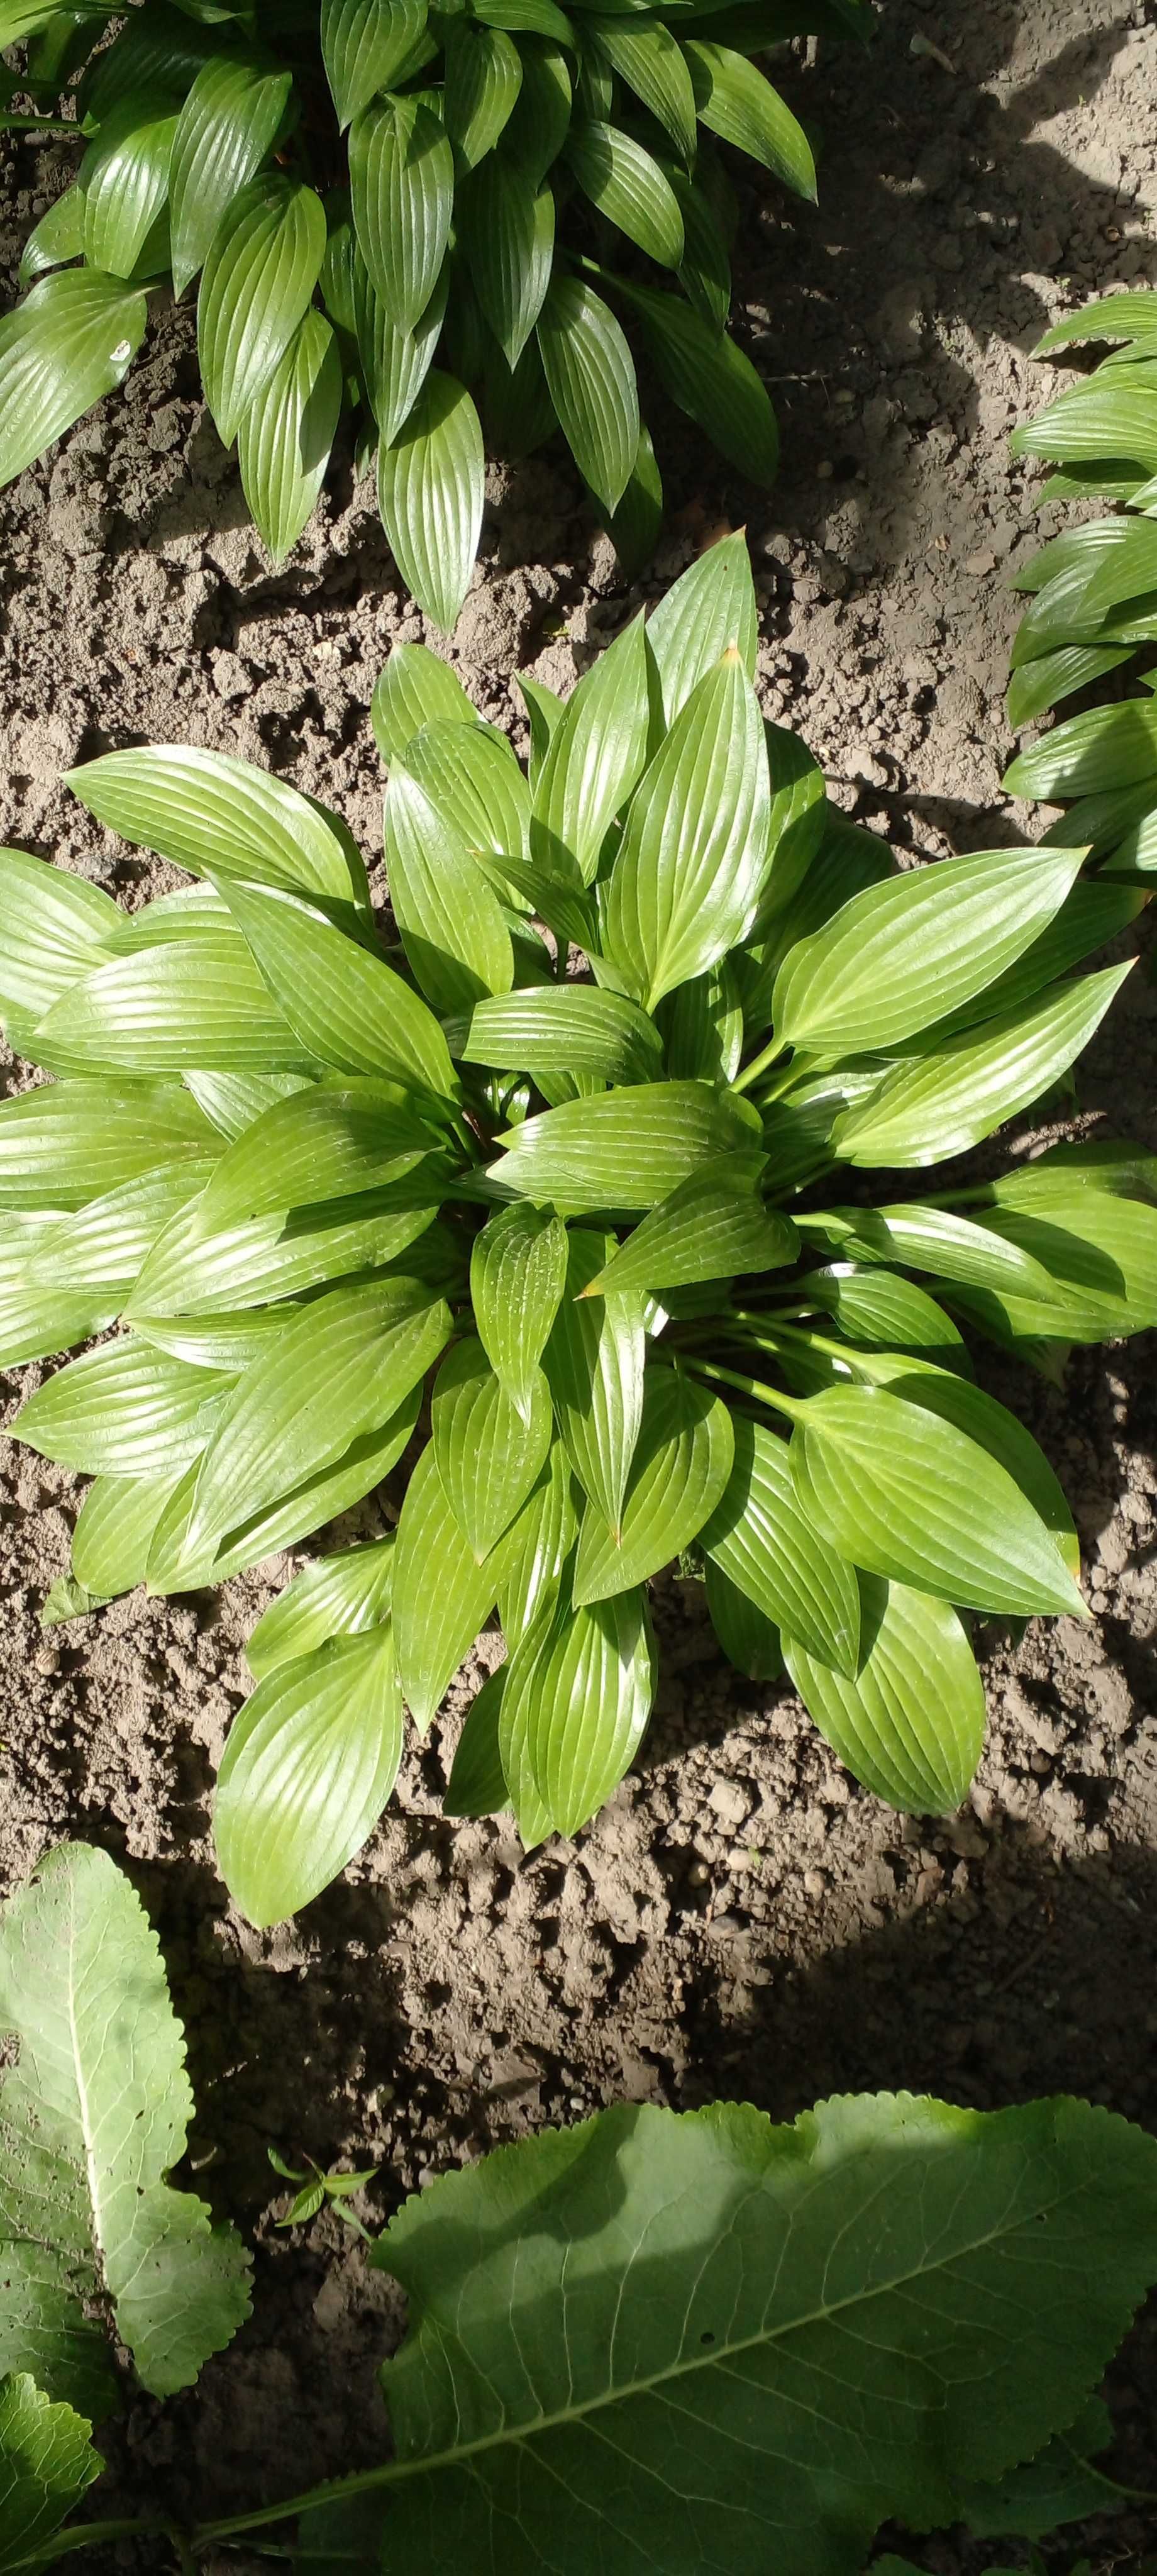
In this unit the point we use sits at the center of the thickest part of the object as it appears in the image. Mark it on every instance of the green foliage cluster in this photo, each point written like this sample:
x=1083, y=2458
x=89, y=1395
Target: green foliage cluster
x=1094, y=598
x=366, y=186
x=779, y=2338
x=611, y=1157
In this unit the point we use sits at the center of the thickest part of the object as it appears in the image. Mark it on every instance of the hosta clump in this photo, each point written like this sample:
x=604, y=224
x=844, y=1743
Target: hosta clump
x=611, y=1157
x=365, y=186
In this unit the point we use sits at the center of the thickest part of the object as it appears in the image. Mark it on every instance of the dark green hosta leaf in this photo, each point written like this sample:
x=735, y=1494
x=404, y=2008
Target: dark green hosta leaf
x=70, y=341
x=124, y=182
x=54, y=927
x=709, y=377
x=193, y=1273
x=932, y=1106
x=123, y=1410
x=682, y=1462
x=349, y=1008
x=402, y=189
x=1109, y=747
x=919, y=1501
x=705, y=268
x=628, y=1148
x=906, y=953
x=1052, y=676
x=259, y=275
x=228, y=123
x=115, y=1530
x=575, y=1705
x=442, y=1596
x=307, y=1769
x=628, y=187
x=596, y=754
x=57, y=238
x=67, y=1142
x=765, y=1544
x=561, y=1028
x=518, y=1267
x=702, y=1026
x=646, y=56
x=535, y=1549
x=285, y=438
x=430, y=491
x=394, y=363
x=198, y=1001
x=452, y=923
x=910, y=1725
x=529, y=17
x=336, y=1596
x=483, y=80
x=203, y=810
x=735, y=100
x=416, y=689
x=749, y=1640
x=365, y=44
x=508, y=231
x=688, y=875
x=712, y=1226
x=100, y=2095
x=594, y=1360
x=323, y=1145
x=534, y=134
x=634, y=526
x=489, y=1452
x=47, y=2458
x=708, y=612
x=477, y=1782
x=591, y=375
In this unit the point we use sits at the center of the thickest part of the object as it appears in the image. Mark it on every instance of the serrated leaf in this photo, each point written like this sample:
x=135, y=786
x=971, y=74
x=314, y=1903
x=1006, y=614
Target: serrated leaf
x=682, y=1462
x=123, y=1410
x=509, y=243
x=711, y=1227
x=46, y=2462
x=591, y=375
x=350, y=1009
x=929, y=1107
x=114, y=1531
x=477, y=1782
x=559, y=1028
x=594, y=1361
x=100, y=2093
x=451, y=921
x=489, y=1452
x=229, y=121
x=648, y=59
x=710, y=378
x=70, y=342
x=430, y=492
x=442, y=1596
x=910, y=1725
x=307, y=1769
x=739, y=105
x=285, y=439
x=364, y=45
x=416, y=688
x=687, y=878
x=518, y=1266
x=626, y=1149
x=627, y=186
x=402, y=191
x=596, y=754
x=336, y=1596
x=1062, y=2484
x=709, y=611
x=762, y=1541
x=202, y=809
x=578, y=1694
x=259, y=275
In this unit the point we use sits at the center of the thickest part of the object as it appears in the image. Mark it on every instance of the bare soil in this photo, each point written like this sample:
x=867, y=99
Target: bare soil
x=742, y=1919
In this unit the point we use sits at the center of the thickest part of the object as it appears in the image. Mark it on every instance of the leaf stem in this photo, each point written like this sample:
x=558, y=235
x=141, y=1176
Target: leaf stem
x=750, y=1073
x=753, y=1386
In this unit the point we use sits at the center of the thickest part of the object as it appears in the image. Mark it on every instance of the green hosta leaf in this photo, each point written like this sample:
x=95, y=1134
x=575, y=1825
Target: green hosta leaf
x=477, y=1782
x=594, y=1361
x=416, y=689
x=430, y=491
x=509, y=241
x=906, y=953
x=878, y=1309
x=708, y=612
x=534, y=135
x=702, y=1026
x=285, y=438
x=124, y=182
x=197, y=1001
x=683, y=1459
x=394, y=363
x=337, y=1596
x=709, y=377
x=749, y=1640
x=229, y=121
x=442, y=1596
x=123, y=1410
x=578, y=1695
x=628, y=187
x=46, y=2458
x=765, y=1544
x=518, y=1268
x=489, y=1453
x=365, y=44
x=648, y=59
x=68, y=1142
x=921, y=1502
x=203, y=810
x=225, y=1341
x=100, y=2095
x=596, y=754
x=342, y=1367
x=1109, y=747
x=932, y=1106
x=705, y=268
x=911, y=1723
x=349, y=1008
x=945, y=1393
x=58, y=237
x=591, y=375
x=190, y=1272
x=711, y=1227
x=306, y=1772
x=259, y=275
x=71, y=341
x=535, y=1549
x=735, y=100
x=626, y=1149
x=402, y=189
x=1110, y=414
x=563, y=1028
x=938, y=1240
x=368, y=1459
x=451, y=921
x=472, y=778
x=634, y=527
x=1052, y=676
x=323, y=1145
x=694, y=853
x=64, y=1278
x=483, y=79
x=54, y=927
x=1100, y=1255
x=114, y=1531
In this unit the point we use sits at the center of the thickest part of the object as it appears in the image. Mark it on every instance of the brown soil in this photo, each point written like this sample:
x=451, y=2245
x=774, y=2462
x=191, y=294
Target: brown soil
x=742, y=1919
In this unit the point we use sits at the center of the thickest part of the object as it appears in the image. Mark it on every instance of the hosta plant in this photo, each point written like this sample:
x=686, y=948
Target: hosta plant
x=1094, y=604
x=776, y=2338
x=443, y=215
x=611, y=1161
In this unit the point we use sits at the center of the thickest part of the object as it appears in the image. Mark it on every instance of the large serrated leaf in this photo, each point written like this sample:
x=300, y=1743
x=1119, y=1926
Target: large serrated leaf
x=307, y=1769
x=70, y=341
x=262, y=266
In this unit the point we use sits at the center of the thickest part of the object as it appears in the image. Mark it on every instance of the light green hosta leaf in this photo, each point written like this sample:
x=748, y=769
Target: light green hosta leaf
x=595, y=757
x=628, y=187
x=921, y=1502
x=306, y=1772
x=932, y=1106
x=259, y=275
x=325, y=1144
x=910, y=1725
x=39, y=1312
x=337, y=1596
x=904, y=954
x=452, y=923
x=509, y=242
x=416, y=689
x=482, y=83
x=64, y=1278
x=489, y=1454
x=204, y=810
x=114, y=1531
x=1120, y=315
x=709, y=611
x=591, y=375
x=578, y=1694
x=563, y=1028
x=224, y=1341
x=711, y=1227
x=710, y=378
x=341, y=1368
x=402, y=188
x=124, y=182
x=348, y=1007
x=1108, y=747
x=230, y=120
x=442, y=1596
x=682, y=1462
x=735, y=100
x=471, y=776
x=880, y=1310
x=430, y=492
x=123, y=1410
x=477, y=1782
x=175, y=1567
x=365, y=44
x=945, y=1393
x=702, y=1026
x=648, y=59
x=535, y=1549
x=748, y=1638
x=938, y=1240
x=1040, y=684
x=197, y=1001
x=688, y=875
x=1110, y=414
x=54, y=927
x=68, y=1142
x=767, y=1546
x=192, y=1273
x=627, y=1148
x=518, y=1267
x=46, y=2457
x=93, y=2117
x=285, y=438
x=594, y=1361
x=1100, y=1254
x=71, y=341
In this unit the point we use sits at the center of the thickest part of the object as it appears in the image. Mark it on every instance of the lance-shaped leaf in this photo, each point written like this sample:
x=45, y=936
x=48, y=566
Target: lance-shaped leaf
x=750, y=1640
x=348, y=1007
x=939, y=1240
x=327, y=1145
x=202, y=809
x=482, y=83
x=198, y=1000
x=535, y=1549
x=99, y=2095
x=628, y=186
x=595, y=757
x=563, y=1028
x=364, y=45
x=709, y=611
x=285, y=438
x=880, y=1310
x=115, y=1531
x=702, y=1025
x=1100, y=1252
x=68, y=1142
x=176, y=1567
x=627, y=1148
x=336, y=1596
x=430, y=492
x=306, y=1772
x=489, y=1454
x=259, y=276
x=472, y=778
x=477, y=1782
x=906, y=953
x=737, y=103
x=416, y=689
x=595, y=1361
x=761, y=1539
x=46, y=2462
x=71, y=341
x=687, y=878
x=228, y=123
x=123, y=1410
x=54, y=927
x=578, y=1694
x=394, y=363
x=1109, y=747
x=648, y=59
x=910, y=1724
x=591, y=375
x=192, y=1273
x=451, y=921
x=509, y=240
x=710, y=378
x=681, y=1466
x=224, y=1341
x=442, y=1596
x=932, y=1106
x=124, y=182
x=711, y=1227
x=518, y=1267
x=63, y=1278
x=917, y=1500
x=402, y=188
x=534, y=134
